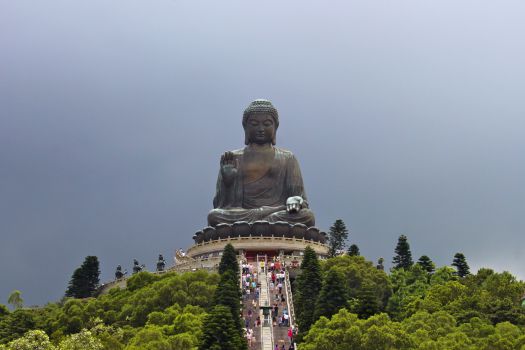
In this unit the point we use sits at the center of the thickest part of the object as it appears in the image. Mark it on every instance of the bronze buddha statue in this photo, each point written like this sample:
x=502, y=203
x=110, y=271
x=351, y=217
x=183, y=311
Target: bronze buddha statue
x=260, y=181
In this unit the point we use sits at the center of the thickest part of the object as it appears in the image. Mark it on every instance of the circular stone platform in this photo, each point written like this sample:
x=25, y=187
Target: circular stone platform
x=258, y=236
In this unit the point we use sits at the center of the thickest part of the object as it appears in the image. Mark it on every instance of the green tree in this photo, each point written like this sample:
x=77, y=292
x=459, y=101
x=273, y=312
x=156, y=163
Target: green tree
x=460, y=263
x=15, y=299
x=84, y=340
x=32, y=340
x=219, y=331
x=336, y=237
x=149, y=338
x=353, y=250
x=85, y=279
x=228, y=294
x=4, y=311
x=368, y=304
x=359, y=272
x=427, y=264
x=16, y=324
x=229, y=261
x=308, y=288
x=403, y=257
x=333, y=294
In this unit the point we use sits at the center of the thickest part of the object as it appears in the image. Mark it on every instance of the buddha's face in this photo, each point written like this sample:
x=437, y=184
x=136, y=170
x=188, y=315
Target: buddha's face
x=260, y=129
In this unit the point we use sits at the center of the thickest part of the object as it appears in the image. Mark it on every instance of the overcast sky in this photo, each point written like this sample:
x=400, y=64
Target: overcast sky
x=407, y=117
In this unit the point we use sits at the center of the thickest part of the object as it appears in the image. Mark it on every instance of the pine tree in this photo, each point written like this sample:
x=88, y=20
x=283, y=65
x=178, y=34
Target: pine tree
x=85, y=279
x=228, y=294
x=336, y=237
x=353, y=250
x=368, y=303
x=460, y=262
x=427, y=264
x=403, y=258
x=229, y=260
x=308, y=287
x=219, y=331
x=333, y=295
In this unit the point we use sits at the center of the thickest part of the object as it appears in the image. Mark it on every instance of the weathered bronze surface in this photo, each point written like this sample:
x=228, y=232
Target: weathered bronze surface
x=261, y=181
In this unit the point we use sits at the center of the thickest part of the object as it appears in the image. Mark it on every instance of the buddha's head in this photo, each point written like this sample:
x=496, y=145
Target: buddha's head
x=260, y=122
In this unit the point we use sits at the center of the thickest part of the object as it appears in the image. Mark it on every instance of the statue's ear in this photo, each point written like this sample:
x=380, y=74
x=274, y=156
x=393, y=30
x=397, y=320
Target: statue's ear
x=274, y=137
x=246, y=140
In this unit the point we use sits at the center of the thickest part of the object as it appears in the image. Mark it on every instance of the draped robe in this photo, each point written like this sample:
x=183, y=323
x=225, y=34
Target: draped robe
x=264, y=198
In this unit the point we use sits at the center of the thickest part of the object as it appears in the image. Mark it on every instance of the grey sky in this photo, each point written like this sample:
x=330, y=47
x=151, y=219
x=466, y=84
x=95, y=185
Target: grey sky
x=407, y=118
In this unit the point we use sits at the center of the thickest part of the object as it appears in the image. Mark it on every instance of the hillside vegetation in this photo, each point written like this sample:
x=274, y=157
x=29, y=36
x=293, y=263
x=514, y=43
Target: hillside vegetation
x=342, y=303
x=414, y=308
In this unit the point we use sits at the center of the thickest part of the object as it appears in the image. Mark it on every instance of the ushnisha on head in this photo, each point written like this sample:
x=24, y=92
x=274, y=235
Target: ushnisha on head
x=256, y=122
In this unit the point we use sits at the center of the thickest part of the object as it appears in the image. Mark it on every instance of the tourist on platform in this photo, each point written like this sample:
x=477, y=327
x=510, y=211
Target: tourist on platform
x=249, y=337
x=286, y=319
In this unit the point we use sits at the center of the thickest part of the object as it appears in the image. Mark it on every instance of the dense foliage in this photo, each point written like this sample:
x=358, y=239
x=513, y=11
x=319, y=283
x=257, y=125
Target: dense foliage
x=344, y=302
x=416, y=308
x=163, y=312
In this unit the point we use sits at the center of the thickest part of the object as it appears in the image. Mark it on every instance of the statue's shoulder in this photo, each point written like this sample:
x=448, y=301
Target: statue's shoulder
x=283, y=152
x=238, y=152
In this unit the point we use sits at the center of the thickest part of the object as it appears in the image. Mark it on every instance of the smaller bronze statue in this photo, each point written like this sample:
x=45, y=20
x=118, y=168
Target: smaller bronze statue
x=380, y=265
x=119, y=274
x=136, y=267
x=161, y=264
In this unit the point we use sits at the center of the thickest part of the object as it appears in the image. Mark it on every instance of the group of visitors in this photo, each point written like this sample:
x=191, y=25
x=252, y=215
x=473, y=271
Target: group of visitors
x=276, y=281
x=250, y=293
x=251, y=289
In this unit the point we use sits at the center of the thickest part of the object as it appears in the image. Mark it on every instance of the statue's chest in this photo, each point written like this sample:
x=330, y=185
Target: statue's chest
x=255, y=168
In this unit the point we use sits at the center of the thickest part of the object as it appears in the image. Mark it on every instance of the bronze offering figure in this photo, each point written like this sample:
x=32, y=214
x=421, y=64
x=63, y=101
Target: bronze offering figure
x=119, y=273
x=136, y=267
x=260, y=181
x=161, y=263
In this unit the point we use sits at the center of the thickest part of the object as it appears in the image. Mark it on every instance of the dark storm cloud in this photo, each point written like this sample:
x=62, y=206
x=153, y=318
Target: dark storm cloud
x=407, y=117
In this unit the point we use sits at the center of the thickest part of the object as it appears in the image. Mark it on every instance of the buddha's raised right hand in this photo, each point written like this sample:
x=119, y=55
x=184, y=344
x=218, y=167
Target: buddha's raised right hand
x=229, y=167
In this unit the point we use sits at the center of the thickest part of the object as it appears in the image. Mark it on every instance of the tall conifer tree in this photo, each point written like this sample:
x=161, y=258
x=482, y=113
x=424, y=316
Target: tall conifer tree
x=333, y=295
x=403, y=258
x=353, y=250
x=308, y=287
x=229, y=260
x=228, y=292
x=219, y=331
x=460, y=262
x=336, y=237
x=427, y=264
x=85, y=279
x=368, y=303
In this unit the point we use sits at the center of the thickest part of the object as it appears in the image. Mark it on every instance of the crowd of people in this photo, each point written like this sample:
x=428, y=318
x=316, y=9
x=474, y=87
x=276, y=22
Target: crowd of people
x=251, y=289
